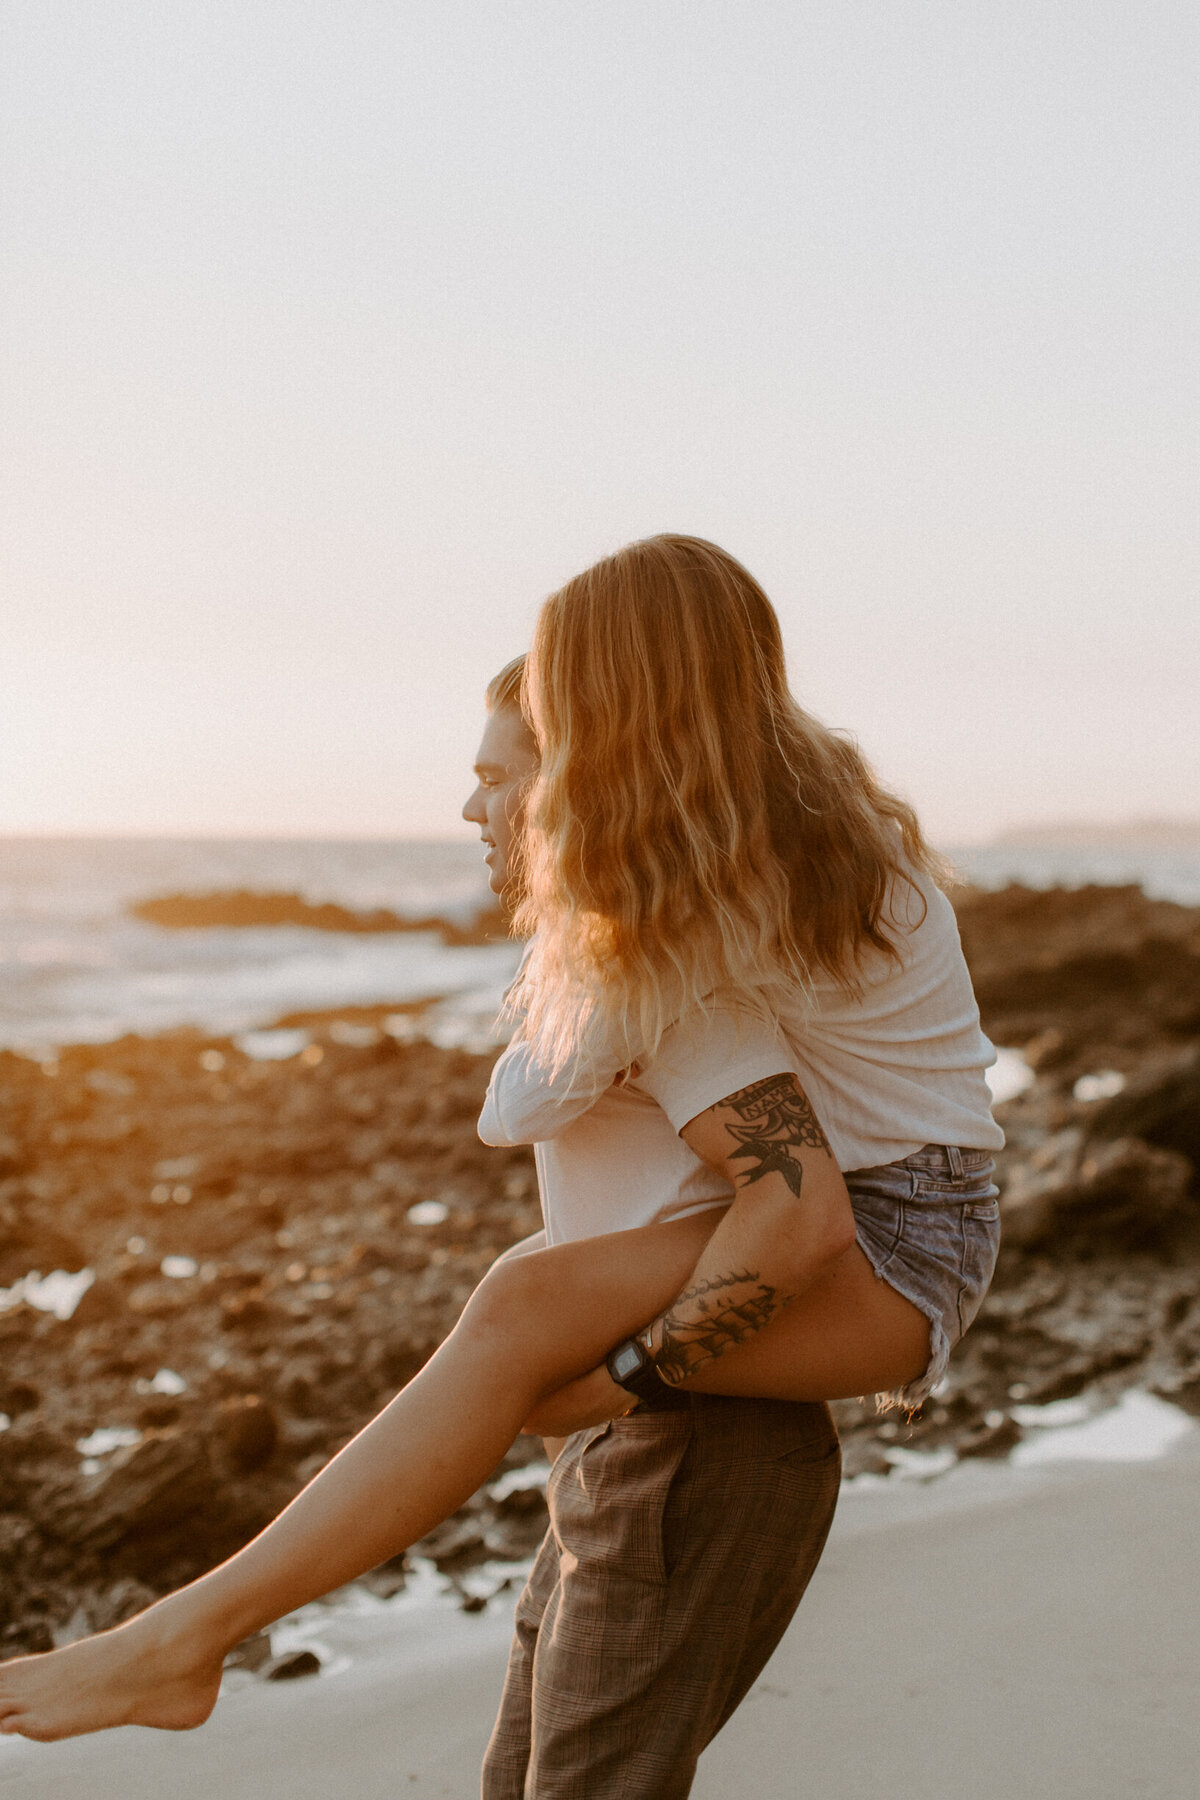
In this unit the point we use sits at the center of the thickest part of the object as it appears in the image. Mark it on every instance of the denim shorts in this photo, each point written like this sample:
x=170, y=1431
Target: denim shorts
x=930, y=1227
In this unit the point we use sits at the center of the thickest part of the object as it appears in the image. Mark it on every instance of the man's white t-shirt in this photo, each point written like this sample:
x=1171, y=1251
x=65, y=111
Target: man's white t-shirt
x=887, y=1071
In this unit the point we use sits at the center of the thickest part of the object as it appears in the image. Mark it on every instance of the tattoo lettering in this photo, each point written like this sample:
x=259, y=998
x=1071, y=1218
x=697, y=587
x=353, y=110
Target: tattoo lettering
x=772, y=1122
x=710, y=1318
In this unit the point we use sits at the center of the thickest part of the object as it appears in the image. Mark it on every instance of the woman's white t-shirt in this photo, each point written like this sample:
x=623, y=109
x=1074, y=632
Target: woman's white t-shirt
x=898, y=1066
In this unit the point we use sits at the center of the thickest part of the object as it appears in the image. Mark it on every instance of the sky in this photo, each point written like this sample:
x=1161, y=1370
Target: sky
x=334, y=336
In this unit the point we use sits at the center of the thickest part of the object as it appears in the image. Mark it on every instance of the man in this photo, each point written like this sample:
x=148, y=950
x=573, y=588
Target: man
x=682, y=1535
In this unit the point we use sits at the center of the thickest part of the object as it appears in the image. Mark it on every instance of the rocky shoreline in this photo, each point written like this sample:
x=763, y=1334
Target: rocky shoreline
x=275, y=1247
x=239, y=907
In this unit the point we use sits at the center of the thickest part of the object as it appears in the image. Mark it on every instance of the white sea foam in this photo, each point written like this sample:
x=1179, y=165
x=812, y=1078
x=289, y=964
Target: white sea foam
x=1140, y=1428
x=59, y=1292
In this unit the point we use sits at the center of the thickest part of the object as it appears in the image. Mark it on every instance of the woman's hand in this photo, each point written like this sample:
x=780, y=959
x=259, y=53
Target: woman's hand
x=592, y=1400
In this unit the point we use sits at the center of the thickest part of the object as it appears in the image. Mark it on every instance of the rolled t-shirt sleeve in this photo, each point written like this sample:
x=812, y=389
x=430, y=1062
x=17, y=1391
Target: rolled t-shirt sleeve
x=708, y=1055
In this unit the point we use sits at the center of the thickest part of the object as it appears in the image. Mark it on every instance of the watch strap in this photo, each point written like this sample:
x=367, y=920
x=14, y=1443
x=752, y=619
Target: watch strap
x=643, y=1379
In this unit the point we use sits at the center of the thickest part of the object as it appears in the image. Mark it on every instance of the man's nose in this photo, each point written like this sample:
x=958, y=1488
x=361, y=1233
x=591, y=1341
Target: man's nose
x=472, y=810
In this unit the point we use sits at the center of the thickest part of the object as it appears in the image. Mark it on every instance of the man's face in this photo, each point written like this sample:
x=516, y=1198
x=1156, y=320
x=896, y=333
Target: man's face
x=506, y=763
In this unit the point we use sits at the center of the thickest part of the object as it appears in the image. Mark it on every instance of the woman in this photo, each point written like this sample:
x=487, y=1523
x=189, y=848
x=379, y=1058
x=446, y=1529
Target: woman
x=717, y=892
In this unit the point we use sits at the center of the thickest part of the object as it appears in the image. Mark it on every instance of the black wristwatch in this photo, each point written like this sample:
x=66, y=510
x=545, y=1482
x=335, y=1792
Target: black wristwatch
x=632, y=1368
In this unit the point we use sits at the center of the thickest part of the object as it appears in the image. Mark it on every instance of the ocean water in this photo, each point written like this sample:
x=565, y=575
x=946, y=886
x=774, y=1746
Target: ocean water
x=1164, y=874
x=75, y=967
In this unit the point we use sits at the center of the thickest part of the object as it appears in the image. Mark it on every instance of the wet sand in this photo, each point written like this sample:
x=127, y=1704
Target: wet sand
x=1004, y=1633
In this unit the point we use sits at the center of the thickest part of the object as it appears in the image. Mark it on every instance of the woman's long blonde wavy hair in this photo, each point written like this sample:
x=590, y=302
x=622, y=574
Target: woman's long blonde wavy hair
x=692, y=831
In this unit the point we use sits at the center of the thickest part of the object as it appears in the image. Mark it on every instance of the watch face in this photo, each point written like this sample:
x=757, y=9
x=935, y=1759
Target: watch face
x=626, y=1361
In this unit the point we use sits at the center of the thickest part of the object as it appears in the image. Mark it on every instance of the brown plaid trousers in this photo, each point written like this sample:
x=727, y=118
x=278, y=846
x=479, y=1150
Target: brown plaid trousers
x=679, y=1547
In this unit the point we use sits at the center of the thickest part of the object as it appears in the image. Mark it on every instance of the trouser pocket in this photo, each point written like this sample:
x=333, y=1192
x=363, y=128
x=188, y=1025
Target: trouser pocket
x=607, y=1509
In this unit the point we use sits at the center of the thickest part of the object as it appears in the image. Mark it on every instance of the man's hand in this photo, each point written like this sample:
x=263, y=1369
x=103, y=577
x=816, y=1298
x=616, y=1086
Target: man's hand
x=592, y=1400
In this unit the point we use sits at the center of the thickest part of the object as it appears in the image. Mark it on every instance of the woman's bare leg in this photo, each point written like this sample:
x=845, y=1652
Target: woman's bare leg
x=535, y=1323
x=849, y=1333
x=553, y=1446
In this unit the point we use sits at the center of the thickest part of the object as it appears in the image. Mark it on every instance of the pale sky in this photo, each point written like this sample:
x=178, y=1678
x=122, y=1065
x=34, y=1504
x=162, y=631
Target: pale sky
x=335, y=333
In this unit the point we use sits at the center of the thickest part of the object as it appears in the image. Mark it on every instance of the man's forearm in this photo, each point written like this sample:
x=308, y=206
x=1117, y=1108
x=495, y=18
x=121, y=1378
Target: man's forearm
x=790, y=1221
x=711, y=1316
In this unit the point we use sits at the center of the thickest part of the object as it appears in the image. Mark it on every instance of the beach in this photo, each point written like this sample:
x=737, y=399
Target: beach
x=1014, y=1635
x=220, y=1254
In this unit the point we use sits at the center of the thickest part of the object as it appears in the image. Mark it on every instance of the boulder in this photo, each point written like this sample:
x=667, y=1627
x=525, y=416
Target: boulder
x=1032, y=1191
x=18, y=1540
x=1161, y=1105
x=1052, y=959
x=248, y=1431
x=291, y=1665
x=141, y=1490
x=18, y=1397
x=27, y=1242
x=453, y=1544
x=1103, y=1196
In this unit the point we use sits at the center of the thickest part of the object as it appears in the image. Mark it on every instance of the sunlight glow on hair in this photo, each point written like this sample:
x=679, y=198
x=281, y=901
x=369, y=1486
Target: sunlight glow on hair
x=693, y=831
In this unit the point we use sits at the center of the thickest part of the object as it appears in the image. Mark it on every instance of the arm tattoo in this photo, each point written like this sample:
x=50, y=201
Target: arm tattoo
x=772, y=1122
x=712, y=1317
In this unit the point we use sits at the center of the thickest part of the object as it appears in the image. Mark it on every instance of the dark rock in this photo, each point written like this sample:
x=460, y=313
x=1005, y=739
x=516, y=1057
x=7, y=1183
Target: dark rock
x=299, y=1396
x=1107, y=960
x=394, y=1364
x=248, y=1431
x=292, y=1665
x=1183, y=1392
x=157, y=1412
x=1124, y=1194
x=101, y=1302
x=1069, y=1378
x=18, y=1539
x=521, y=1503
x=27, y=1242
x=28, y=1637
x=1161, y=1105
x=17, y=1397
x=1179, y=1308
x=991, y=1439
x=246, y=1312
x=389, y=1578
x=143, y=1489
x=1050, y=1049
x=452, y=1544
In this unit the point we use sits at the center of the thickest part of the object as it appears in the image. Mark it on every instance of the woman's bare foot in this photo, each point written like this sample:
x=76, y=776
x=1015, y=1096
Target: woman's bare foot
x=142, y=1673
